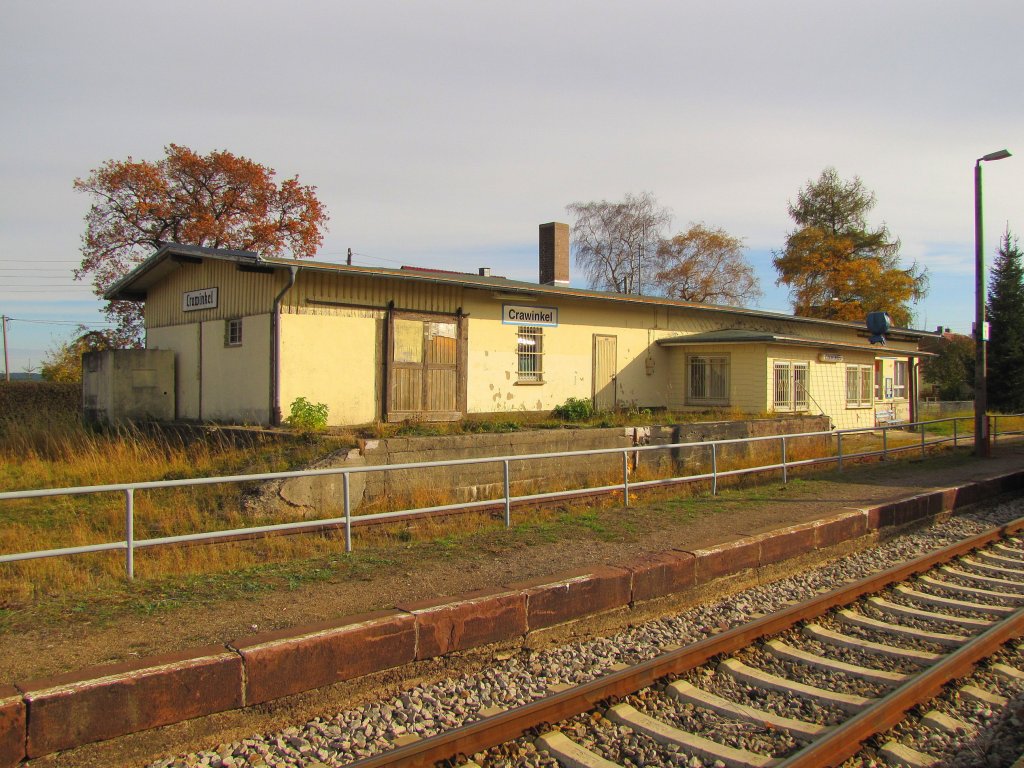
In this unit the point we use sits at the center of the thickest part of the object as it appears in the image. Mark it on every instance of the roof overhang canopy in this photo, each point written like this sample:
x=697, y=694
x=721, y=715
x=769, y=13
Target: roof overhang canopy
x=731, y=336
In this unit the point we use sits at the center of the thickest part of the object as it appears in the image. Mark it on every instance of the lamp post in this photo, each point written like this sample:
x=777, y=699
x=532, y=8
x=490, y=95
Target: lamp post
x=982, y=446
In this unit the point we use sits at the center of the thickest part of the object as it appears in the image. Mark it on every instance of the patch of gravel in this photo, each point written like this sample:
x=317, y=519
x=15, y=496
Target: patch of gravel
x=337, y=739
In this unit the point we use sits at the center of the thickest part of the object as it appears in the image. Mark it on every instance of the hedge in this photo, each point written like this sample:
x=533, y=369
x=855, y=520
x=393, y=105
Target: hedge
x=54, y=398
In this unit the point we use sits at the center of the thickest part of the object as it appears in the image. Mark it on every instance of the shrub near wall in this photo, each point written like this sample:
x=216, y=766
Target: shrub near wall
x=30, y=399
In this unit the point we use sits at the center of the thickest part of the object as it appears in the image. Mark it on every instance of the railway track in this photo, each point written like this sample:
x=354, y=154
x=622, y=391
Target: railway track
x=804, y=686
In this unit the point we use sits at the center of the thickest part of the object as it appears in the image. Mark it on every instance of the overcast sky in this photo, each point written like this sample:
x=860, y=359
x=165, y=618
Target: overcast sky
x=442, y=133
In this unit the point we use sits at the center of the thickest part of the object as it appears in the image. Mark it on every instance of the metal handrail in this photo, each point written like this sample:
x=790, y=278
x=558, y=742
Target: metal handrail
x=129, y=544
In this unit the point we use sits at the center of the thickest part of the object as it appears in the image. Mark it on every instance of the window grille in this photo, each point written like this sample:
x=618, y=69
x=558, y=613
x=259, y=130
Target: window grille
x=859, y=380
x=791, y=384
x=530, y=350
x=708, y=380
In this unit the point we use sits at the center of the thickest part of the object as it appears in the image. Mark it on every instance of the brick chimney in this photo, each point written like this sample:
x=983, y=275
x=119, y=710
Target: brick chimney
x=554, y=254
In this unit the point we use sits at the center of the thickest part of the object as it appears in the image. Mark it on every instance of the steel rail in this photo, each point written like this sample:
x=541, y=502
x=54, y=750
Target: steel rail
x=506, y=726
x=846, y=739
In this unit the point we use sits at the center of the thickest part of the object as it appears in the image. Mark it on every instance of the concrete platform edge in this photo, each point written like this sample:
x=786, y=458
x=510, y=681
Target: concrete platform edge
x=469, y=621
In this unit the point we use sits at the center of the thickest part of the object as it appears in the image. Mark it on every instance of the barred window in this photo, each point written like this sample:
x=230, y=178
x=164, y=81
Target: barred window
x=708, y=379
x=859, y=380
x=233, y=333
x=791, y=381
x=530, y=350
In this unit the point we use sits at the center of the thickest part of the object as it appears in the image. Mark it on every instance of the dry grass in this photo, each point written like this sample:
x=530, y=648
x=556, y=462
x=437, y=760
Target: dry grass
x=63, y=454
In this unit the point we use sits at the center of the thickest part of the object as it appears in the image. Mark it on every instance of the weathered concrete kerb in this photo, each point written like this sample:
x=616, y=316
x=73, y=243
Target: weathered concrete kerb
x=473, y=482
x=45, y=716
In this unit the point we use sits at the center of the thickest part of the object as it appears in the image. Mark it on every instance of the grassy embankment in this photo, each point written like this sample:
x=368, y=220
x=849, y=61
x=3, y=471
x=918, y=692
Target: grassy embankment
x=62, y=453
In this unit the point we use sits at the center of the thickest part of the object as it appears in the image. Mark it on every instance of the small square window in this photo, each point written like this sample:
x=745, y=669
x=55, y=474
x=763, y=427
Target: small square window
x=233, y=333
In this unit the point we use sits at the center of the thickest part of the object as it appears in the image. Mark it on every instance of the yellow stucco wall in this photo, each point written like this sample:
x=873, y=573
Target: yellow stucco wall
x=236, y=380
x=184, y=341
x=568, y=356
x=333, y=359
x=747, y=379
x=214, y=381
x=332, y=335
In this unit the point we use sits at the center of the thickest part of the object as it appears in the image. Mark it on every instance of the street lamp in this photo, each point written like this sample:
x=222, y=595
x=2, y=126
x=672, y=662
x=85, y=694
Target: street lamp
x=982, y=446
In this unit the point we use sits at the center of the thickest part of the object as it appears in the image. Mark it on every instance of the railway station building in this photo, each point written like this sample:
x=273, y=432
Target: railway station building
x=249, y=334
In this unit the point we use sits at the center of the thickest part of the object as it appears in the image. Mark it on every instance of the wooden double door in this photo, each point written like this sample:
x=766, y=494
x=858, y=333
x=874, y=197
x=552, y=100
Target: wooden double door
x=426, y=367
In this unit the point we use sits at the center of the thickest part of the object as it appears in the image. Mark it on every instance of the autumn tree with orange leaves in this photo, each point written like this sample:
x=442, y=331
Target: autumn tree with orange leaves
x=218, y=200
x=706, y=265
x=835, y=265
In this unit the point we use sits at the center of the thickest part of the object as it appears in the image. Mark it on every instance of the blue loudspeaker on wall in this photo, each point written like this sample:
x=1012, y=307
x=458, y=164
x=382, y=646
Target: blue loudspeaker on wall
x=878, y=324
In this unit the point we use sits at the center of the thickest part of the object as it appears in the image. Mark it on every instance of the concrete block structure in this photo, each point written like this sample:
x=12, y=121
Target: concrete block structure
x=251, y=334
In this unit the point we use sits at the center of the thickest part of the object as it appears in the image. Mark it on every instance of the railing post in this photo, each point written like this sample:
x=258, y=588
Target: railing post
x=955, y=420
x=348, y=511
x=508, y=496
x=785, y=474
x=714, y=469
x=129, y=532
x=922, y=442
x=625, y=478
x=885, y=443
x=995, y=428
x=839, y=443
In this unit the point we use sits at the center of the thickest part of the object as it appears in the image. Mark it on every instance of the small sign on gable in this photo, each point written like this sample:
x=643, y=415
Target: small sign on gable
x=514, y=314
x=830, y=357
x=204, y=299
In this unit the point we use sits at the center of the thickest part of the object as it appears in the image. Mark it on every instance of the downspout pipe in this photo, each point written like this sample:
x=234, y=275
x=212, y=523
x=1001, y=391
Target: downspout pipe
x=275, y=349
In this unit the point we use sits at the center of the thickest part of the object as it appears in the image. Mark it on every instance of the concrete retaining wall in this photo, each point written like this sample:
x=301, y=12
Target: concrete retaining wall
x=44, y=716
x=474, y=482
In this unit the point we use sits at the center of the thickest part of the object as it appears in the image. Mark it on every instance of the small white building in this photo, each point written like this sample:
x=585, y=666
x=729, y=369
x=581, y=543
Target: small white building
x=251, y=334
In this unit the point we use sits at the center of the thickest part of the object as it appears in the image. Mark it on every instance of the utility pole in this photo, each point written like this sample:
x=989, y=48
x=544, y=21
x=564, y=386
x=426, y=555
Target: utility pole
x=7, y=362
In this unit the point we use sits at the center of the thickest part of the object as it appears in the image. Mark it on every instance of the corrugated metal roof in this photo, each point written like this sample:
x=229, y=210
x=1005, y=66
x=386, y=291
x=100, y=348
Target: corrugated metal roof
x=133, y=285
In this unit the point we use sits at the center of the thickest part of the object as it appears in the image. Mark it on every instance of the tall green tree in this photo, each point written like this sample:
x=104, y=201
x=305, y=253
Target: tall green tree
x=952, y=368
x=1006, y=328
x=835, y=265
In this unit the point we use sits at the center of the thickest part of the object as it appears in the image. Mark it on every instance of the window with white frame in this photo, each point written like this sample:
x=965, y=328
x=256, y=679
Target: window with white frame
x=530, y=351
x=859, y=380
x=233, y=333
x=791, y=381
x=707, y=379
x=878, y=380
x=899, y=378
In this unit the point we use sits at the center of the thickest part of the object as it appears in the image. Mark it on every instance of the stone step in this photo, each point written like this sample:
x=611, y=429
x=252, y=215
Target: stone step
x=781, y=650
x=569, y=753
x=847, y=616
x=948, y=602
x=895, y=609
x=663, y=733
x=691, y=694
x=848, y=702
x=818, y=632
